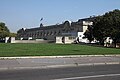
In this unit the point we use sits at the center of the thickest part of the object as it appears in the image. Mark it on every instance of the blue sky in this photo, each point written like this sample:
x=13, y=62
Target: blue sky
x=27, y=13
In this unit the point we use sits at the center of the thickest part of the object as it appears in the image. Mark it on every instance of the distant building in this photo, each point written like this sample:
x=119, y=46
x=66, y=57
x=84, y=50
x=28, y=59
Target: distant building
x=58, y=31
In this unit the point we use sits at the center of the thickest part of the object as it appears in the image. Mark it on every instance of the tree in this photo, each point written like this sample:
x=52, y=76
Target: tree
x=89, y=34
x=99, y=29
x=12, y=35
x=107, y=25
x=4, y=31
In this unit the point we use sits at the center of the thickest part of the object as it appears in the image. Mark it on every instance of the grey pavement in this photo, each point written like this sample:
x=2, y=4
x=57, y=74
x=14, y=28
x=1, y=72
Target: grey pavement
x=54, y=62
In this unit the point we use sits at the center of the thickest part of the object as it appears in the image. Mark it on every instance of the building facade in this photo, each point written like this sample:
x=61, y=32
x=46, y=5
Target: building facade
x=67, y=28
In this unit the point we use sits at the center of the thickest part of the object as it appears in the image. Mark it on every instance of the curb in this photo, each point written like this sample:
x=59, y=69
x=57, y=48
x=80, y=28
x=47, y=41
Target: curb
x=59, y=66
x=70, y=56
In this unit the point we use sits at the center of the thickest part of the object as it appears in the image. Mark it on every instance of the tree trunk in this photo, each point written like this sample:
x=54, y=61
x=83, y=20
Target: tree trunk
x=115, y=43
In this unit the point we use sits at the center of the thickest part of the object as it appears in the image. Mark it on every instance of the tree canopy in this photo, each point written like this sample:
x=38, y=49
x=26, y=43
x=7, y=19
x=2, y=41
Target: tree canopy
x=107, y=25
x=4, y=31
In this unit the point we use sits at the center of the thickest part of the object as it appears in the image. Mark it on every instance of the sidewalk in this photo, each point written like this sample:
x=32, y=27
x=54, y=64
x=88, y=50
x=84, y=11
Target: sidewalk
x=54, y=62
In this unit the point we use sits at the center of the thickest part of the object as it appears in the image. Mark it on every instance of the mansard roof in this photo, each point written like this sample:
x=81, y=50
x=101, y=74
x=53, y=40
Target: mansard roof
x=55, y=26
x=44, y=27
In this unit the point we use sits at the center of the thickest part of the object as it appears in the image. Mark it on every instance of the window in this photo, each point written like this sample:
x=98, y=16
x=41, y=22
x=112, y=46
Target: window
x=71, y=37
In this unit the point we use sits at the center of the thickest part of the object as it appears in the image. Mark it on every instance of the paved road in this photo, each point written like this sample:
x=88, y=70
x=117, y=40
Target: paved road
x=26, y=63
x=98, y=72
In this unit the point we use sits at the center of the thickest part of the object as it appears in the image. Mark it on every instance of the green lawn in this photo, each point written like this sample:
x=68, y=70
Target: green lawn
x=52, y=50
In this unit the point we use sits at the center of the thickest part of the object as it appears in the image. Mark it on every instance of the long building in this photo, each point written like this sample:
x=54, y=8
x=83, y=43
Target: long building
x=50, y=32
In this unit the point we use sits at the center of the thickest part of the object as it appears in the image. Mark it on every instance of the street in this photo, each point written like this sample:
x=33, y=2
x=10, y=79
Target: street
x=97, y=72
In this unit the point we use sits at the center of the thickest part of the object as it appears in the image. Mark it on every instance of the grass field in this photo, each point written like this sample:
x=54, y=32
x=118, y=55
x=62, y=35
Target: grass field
x=52, y=50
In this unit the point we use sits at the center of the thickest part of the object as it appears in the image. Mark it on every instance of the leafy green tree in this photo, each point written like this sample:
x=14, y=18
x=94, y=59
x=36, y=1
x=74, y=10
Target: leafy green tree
x=89, y=34
x=99, y=29
x=12, y=35
x=4, y=31
x=107, y=25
